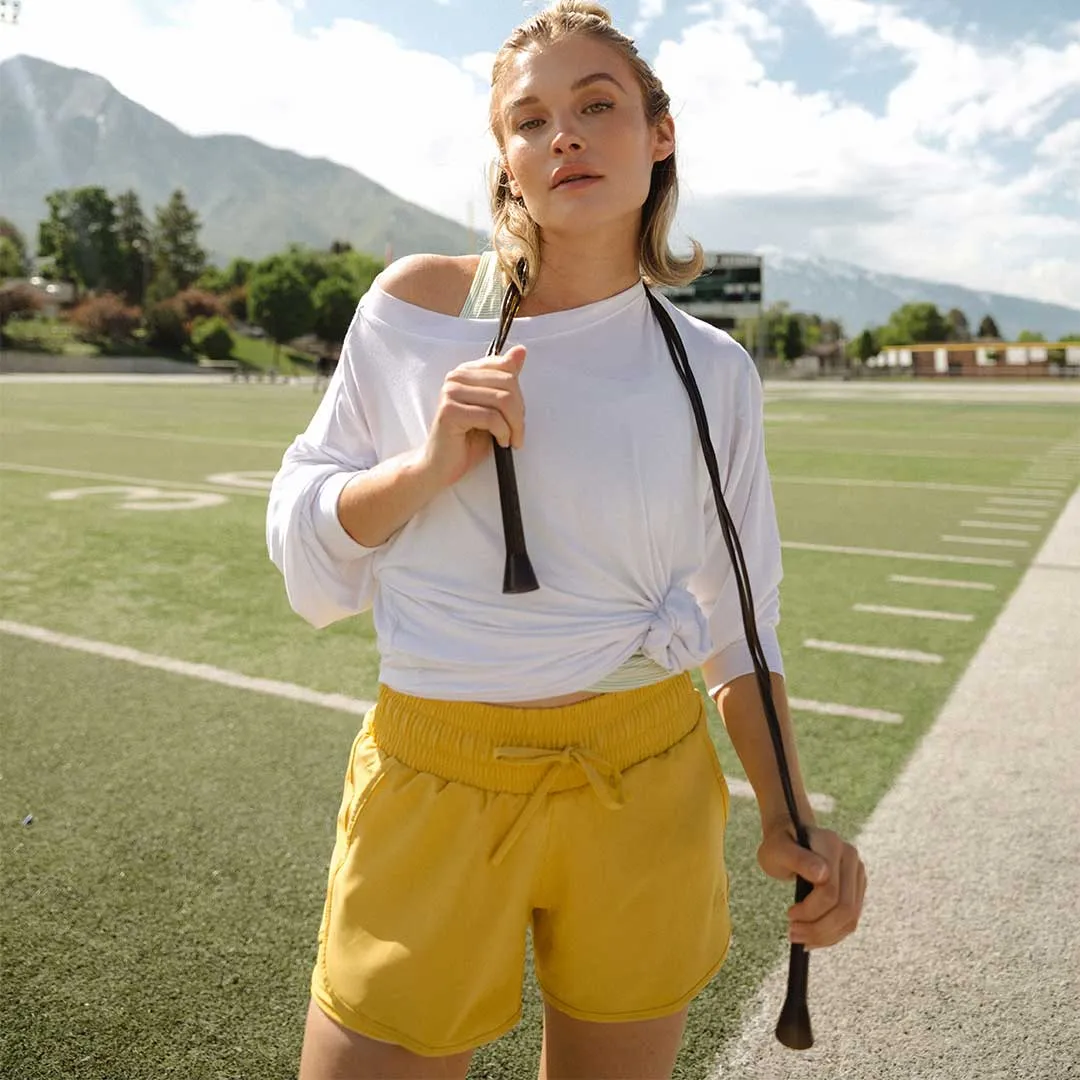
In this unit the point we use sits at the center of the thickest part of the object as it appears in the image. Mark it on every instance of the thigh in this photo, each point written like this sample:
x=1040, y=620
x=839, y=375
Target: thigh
x=633, y=1050
x=332, y=1052
x=638, y=921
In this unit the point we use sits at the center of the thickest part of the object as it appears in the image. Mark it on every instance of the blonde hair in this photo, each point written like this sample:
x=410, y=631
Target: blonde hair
x=515, y=235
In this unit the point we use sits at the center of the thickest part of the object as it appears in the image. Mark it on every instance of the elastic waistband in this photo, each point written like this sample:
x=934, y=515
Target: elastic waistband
x=458, y=740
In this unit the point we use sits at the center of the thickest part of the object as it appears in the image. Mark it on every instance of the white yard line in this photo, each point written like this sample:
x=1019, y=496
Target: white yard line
x=164, y=436
x=206, y=672
x=942, y=583
x=912, y=485
x=986, y=541
x=913, y=613
x=186, y=485
x=874, y=651
x=1004, y=511
x=741, y=789
x=885, y=553
x=234, y=680
x=829, y=708
x=1001, y=501
x=1004, y=526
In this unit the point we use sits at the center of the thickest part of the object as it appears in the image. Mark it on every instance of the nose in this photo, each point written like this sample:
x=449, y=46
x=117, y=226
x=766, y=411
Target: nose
x=566, y=142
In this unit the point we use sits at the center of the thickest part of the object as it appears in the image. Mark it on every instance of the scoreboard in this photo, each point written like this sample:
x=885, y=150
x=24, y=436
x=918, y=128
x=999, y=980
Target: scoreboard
x=728, y=289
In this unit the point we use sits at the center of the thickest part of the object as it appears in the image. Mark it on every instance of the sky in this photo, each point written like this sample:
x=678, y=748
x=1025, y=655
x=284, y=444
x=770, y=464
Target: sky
x=936, y=138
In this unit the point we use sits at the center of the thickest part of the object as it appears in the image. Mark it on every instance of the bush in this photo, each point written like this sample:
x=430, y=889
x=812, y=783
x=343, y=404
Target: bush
x=19, y=300
x=212, y=338
x=165, y=326
x=199, y=304
x=105, y=320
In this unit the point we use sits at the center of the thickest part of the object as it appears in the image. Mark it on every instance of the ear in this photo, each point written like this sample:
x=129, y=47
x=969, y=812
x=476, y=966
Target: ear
x=512, y=184
x=663, y=138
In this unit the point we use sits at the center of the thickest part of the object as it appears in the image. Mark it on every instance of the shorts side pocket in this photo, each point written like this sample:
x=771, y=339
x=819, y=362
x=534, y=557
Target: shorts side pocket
x=714, y=761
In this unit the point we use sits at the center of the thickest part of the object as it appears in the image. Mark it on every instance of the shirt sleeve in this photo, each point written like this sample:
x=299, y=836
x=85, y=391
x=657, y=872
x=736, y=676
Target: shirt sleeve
x=328, y=575
x=748, y=495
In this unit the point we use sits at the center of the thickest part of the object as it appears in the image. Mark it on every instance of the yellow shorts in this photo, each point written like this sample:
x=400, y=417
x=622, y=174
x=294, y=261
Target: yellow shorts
x=600, y=825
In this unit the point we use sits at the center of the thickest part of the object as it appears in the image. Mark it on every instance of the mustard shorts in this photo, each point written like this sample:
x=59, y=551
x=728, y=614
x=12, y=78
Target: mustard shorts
x=599, y=825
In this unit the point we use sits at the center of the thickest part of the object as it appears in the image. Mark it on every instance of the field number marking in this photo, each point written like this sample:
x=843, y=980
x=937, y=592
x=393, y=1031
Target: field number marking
x=942, y=583
x=251, y=480
x=145, y=498
x=875, y=652
x=913, y=613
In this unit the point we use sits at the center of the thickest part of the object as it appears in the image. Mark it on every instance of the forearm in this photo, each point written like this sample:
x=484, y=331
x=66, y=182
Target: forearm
x=376, y=503
x=743, y=713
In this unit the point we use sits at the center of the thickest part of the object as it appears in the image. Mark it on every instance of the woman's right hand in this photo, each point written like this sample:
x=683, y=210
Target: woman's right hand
x=479, y=399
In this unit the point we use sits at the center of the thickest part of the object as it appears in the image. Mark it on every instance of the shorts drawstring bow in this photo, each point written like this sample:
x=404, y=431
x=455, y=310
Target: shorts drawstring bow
x=605, y=779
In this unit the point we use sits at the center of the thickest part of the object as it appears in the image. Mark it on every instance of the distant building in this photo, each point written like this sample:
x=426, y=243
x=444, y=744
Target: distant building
x=729, y=289
x=1016, y=359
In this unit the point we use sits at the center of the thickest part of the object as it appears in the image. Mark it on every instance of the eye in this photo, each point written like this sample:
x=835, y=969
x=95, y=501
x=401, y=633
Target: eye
x=525, y=125
x=600, y=106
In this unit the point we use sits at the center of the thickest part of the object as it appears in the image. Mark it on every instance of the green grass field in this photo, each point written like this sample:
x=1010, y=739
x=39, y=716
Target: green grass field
x=159, y=914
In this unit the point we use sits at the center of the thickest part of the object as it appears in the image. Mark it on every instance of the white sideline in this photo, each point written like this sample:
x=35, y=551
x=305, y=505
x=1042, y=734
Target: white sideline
x=1004, y=511
x=943, y=583
x=836, y=549
x=999, y=501
x=876, y=652
x=912, y=613
x=965, y=961
x=913, y=485
x=357, y=707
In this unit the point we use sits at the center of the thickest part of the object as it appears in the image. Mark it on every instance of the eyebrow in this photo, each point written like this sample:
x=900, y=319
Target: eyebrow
x=585, y=80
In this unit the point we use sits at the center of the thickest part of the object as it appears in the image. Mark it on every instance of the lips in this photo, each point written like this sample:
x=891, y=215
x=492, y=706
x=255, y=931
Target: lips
x=565, y=175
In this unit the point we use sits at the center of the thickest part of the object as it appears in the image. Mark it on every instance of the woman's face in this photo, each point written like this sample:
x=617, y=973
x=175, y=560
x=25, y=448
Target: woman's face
x=575, y=108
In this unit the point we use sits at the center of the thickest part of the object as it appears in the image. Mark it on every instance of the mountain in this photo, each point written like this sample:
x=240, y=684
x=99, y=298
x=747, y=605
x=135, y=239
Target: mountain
x=62, y=128
x=859, y=297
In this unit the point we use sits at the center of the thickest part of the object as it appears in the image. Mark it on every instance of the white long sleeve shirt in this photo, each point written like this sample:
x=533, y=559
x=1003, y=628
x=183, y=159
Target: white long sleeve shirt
x=618, y=511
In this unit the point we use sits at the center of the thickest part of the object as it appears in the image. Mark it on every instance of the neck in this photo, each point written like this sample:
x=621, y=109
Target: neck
x=579, y=270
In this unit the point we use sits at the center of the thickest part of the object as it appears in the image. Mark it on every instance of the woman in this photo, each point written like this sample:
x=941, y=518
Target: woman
x=542, y=760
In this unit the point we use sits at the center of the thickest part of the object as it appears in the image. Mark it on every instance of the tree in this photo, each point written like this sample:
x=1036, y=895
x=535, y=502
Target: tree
x=105, y=320
x=133, y=246
x=18, y=300
x=958, y=325
x=913, y=324
x=335, y=299
x=1029, y=335
x=79, y=236
x=177, y=254
x=279, y=300
x=988, y=328
x=792, y=342
x=12, y=263
x=9, y=231
x=867, y=345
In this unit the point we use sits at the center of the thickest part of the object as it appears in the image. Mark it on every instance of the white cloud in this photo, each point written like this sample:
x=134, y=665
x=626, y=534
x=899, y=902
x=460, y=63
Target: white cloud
x=912, y=188
x=926, y=196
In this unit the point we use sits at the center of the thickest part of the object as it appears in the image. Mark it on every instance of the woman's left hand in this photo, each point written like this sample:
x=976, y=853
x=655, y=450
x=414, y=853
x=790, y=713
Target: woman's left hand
x=837, y=874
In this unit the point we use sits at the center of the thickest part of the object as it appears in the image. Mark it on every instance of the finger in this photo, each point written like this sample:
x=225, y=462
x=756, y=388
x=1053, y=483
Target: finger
x=843, y=917
x=468, y=418
x=513, y=360
x=786, y=858
x=507, y=402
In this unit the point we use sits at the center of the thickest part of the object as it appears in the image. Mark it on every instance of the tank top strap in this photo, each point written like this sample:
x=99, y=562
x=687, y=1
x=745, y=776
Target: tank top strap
x=485, y=295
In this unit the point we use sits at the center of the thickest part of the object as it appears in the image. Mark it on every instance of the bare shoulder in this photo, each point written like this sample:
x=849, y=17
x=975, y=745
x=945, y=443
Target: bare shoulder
x=436, y=282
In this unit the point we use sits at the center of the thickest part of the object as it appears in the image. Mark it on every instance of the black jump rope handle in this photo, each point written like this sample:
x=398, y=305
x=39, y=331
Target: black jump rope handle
x=793, y=1028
